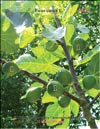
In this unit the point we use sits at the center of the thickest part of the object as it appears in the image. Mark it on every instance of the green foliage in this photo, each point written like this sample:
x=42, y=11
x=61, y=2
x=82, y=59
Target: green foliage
x=9, y=45
x=54, y=115
x=33, y=65
x=32, y=94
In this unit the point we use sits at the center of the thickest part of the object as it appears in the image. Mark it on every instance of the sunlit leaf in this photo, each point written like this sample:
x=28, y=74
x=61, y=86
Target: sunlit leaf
x=84, y=36
x=69, y=32
x=48, y=98
x=40, y=52
x=69, y=11
x=36, y=84
x=93, y=92
x=7, y=4
x=26, y=37
x=28, y=63
x=66, y=118
x=53, y=115
x=74, y=107
x=44, y=76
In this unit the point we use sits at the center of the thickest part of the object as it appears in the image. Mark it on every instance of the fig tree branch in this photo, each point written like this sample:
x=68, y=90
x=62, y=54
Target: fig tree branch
x=72, y=97
x=97, y=96
x=36, y=78
x=70, y=61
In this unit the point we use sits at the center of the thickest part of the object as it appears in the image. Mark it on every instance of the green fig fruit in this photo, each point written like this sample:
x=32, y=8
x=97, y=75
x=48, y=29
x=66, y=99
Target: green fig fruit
x=63, y=76
x=55, y=88
x=63, y=101
x=10, y=69
x=51, y=46
x=78, y=45
x=89, y=81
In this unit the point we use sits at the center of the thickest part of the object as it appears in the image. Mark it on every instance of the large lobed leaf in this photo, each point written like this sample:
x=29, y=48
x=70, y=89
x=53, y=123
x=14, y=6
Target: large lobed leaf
x=33, y=65
x=55, y=114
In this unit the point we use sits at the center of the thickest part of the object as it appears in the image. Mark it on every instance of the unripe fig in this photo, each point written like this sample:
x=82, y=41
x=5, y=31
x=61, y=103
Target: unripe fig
x=10, y=68
x=78, y=45
x=63, y=101
x=89, y=81
x=63, y=76
x=55, y=88
x=51, y=46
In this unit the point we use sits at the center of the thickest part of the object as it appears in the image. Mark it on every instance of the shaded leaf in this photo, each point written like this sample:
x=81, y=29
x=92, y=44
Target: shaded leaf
x=8, y=40
x=87, y=57
x=94, y=68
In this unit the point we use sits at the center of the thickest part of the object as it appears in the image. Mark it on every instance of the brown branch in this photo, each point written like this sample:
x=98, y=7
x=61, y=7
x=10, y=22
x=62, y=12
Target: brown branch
x=72, y=97
x=34, y=77
x=97, y=96
x=70, y=61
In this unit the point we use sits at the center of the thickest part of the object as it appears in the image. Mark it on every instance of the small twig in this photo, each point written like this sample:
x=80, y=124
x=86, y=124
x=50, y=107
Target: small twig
x=56, y=18
x=70, y=61
x=41, y=23
x=97, y=96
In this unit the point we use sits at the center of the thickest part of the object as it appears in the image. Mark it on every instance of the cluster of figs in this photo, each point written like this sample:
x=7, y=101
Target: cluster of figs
x=62, y=79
